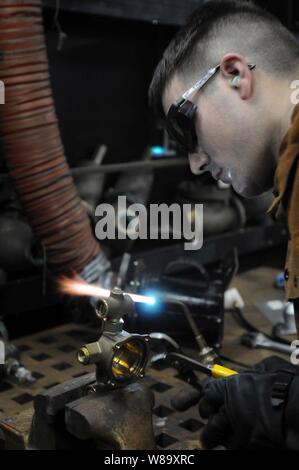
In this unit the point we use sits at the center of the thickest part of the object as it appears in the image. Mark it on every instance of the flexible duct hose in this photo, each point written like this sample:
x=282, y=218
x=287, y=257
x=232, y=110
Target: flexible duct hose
x=32, y=143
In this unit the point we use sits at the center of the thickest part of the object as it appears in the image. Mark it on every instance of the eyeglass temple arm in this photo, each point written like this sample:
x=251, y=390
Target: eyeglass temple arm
x=200, y=83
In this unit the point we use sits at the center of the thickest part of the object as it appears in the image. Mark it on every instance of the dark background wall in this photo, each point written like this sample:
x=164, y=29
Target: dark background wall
x=100, y=79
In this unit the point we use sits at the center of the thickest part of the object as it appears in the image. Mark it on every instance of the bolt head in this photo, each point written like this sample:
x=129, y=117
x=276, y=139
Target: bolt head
x=116, y=291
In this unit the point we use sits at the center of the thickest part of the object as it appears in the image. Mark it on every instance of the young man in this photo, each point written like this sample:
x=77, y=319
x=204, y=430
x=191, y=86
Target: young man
x=226, y=86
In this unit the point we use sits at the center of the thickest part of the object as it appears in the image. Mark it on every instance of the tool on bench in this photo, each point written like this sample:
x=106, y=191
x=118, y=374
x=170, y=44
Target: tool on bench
x=259, y=340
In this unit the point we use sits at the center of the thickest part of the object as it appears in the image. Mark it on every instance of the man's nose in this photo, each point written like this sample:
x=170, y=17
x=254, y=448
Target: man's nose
x=198, y=162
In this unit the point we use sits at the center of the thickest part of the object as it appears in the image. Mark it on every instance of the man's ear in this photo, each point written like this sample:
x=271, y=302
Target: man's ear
x=234, y=65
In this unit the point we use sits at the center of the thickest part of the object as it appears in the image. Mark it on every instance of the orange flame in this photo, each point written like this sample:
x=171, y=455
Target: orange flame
x=79, y=287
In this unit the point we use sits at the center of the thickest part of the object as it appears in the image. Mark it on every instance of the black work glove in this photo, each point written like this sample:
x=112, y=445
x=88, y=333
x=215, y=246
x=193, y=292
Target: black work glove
x=273, y=364
x=99, y=272
x=252, y=410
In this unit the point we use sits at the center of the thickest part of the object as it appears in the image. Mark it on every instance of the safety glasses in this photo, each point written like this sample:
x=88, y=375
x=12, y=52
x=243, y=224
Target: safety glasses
x=180, y=120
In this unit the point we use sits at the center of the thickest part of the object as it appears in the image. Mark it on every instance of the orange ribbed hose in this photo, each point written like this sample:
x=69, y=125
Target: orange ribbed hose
x=32, y=143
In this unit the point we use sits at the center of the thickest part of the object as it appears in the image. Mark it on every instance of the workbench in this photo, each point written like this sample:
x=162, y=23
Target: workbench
x=51, y=356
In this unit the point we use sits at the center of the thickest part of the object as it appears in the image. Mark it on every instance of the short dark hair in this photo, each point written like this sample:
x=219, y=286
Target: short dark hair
x=277, y=46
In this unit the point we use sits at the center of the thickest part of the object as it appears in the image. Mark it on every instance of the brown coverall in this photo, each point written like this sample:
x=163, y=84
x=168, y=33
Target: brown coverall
x=286, y=192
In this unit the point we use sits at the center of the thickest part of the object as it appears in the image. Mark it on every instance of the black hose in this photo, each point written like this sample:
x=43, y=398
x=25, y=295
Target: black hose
x=239, y=318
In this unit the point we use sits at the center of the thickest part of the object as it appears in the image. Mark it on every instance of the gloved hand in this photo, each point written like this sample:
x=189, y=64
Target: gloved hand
x=252, y=410
x=98, y=271
x=273, y=364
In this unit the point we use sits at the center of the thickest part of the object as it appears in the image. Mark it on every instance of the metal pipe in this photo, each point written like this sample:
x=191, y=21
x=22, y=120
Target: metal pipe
x=122, y=167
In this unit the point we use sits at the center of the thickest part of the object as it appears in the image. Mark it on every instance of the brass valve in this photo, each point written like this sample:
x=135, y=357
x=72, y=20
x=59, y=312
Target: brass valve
x=120, y=357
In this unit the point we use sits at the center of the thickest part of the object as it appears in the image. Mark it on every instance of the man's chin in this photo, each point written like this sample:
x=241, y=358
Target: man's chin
x=248, y=192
